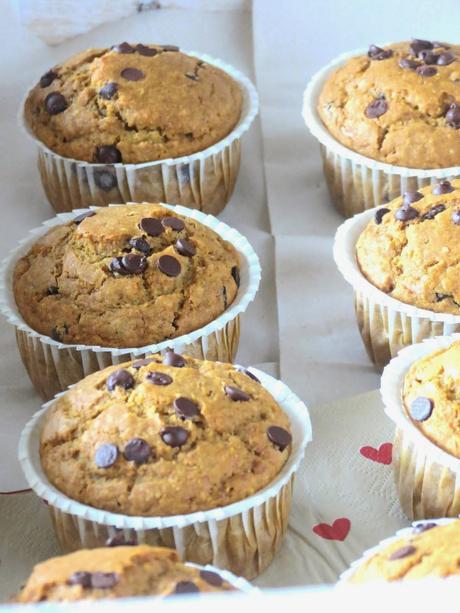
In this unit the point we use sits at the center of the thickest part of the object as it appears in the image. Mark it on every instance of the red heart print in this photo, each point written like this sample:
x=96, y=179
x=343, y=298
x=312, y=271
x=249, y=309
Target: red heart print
x=337, y=532
x=382, y=455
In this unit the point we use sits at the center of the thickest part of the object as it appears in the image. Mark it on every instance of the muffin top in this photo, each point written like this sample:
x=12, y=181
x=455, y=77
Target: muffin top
x=411, y=248
x=131, y=104
x=399, y=105
x=429, y=550
x=164, y=435
x=125, y=276
x=116, y=573
x=431, y=397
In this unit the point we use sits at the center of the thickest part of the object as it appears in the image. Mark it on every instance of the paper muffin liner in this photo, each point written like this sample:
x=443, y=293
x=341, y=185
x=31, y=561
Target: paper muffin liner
x=357, y=182
x=427, y=477
x=204, y=180
x=53, y=366
x=242, y=537
x=386, y=324
x=346, y=576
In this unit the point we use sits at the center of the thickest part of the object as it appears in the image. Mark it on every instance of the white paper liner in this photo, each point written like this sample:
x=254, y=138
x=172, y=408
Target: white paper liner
x=220, y=152
x=237, y=582
x=369, y=553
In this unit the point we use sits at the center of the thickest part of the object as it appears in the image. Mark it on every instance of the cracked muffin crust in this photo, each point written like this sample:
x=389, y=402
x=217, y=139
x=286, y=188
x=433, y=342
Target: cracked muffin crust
x=429, y=550
x=399, y=105
x=432, y=398
x=411, y=248
x=116, y=573
x=165, y=435
x=125, y=276
x=132, y=104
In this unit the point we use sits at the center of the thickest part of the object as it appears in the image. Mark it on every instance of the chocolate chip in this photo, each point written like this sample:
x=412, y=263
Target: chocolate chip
x=48, y=78
x=116, y=266
x=192, y=76
x=106, y=455
x=428, y=57
x=169, y=266
x=419, y=528
x=81, y=577
x=52, y=290
x=121, y=378
x=56, y=335
x=79, y=218
x=456, y=218
x=123, y=48
x=248, y=373
x=140, y=244
x=411, y=197
x=147, y=51
x=169, y=48
x=444, y=187
x=185, y=247
x=236, y=275
x=445, y=59
x=132, y=74
x=151, y=226
x=224, y=294
x=159, y=378
x=119, y=540
x=144, y=362
x=453, y=116
x=404, y=552
x=405, y=62
x=108, y=154
x=235, y=394
x=108, y=91
x=440, y=297
x=186, y=408
x=186, y=587
x=55, y=103
x=174, y=436
x=418, y=45
x=377, y=108
x=406, y=213
x=377, y=53
x=103, y=581
x=137, y=450
x=211, y=578
x=279, y=437
x=173, y=359
x=435, y=210
x=105, y=179
x=379, y=215
x=421, y=408
x=426, y=71
x=174, y=223
x=133, y=263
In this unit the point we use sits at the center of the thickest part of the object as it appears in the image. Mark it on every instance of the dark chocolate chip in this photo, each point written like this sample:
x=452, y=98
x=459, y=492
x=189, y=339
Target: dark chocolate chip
x=81, y=577
x=108, y=91
x=106, y=455
x=105, y=179
x=173, y=359
x=140, y=244
x=55, y=103
x=377, y=53
x=192, y=76
x=147, y=51
x=119, y=540
x=174, y=223
x=379, y=215
x=418, y=45
x=174, y=436
x=444, y=187
x=440, y=297
x=186, y=587
x=419, y=528
x=405, y=62
x=186, y=408
x=280, y=437
x=456, y=218
x=77, y=220
x=48, y=78
x=406, y=213
x=169, y=266
x=185, y=247
x=453, y=116
x=428, y=57
x=151, y=226
x=435, y=210
x=108, y=154
x=411, y=197
x=446, y=58
x=426, y=71
x=143, y=362
x=159, y=378
x=170, y=48
x=103, y=581
x=211, y=578
x=224, y=294
x=133, y=263
x=248, y=373
x=137, y=450
x=52, y=290
x=235, y=394
x=121, y=378
x=123, y=48
x=421, y=408
x=132, y=74
x=56, y=335
x=377, y=108
x=236, y=275
x=116, y=266
x=404, y=552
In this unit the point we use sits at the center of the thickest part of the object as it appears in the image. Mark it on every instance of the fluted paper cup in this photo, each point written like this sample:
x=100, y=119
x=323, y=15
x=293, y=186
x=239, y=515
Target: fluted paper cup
x=204, y=180
x=53, y=366
x=242, y=537
x=357, y=182
x=386, y=324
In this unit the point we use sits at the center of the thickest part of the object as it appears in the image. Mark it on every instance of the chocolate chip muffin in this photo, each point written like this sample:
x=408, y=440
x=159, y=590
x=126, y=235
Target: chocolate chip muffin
x=116, y=573
x=164, y=435
x=411, y=248
x=132, y=104
x=399, y=104
x=428, y=550
x=125, y=276
x=431, y=397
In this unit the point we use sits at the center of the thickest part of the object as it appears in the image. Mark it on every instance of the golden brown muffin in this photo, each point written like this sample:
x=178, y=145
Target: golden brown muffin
x=411, y=248
x=399, y=105
x=165, y=435
x=131, y=104
x=432, y=397
x=116, y=573
x=126, y=276
x=429, y=551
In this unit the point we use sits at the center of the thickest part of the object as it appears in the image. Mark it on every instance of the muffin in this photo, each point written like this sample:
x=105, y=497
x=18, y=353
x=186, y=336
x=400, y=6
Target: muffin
x=118, y=572
x=125, y=276
x=425, y=550
x=106, y=120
